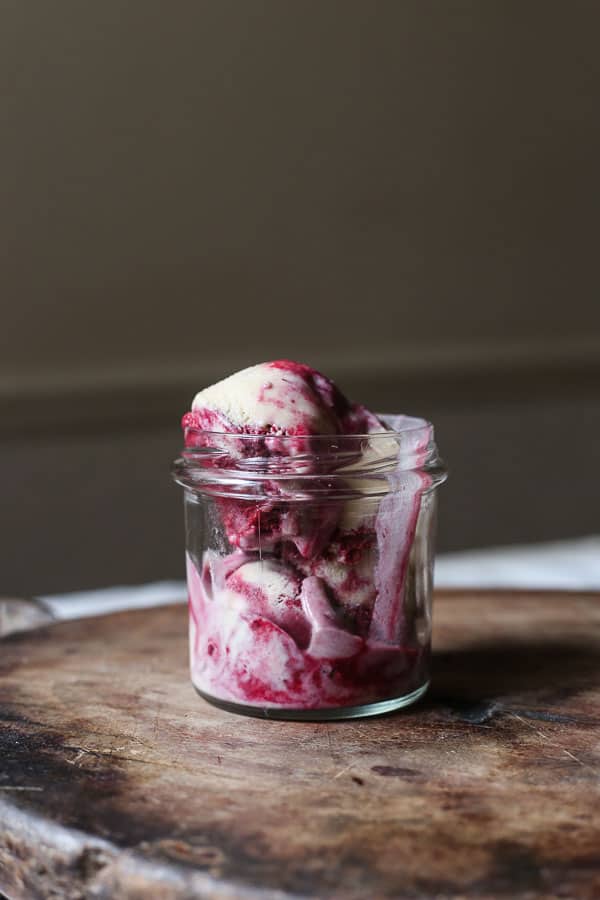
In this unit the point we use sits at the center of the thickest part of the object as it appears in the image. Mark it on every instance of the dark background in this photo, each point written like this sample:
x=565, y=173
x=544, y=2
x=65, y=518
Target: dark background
x=404, y=194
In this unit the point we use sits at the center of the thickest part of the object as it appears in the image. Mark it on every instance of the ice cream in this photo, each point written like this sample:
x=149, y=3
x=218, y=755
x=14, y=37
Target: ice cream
x=280, y=398
x=284, y=406
x=299, y=602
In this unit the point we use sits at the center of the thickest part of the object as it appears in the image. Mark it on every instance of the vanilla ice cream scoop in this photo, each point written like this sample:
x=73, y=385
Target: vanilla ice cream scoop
x=269, y=589
x=269, y=398
x=284, y=410
x=277, y=398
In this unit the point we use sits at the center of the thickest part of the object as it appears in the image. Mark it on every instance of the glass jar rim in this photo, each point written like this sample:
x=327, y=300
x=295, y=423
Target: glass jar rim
x=236, y=462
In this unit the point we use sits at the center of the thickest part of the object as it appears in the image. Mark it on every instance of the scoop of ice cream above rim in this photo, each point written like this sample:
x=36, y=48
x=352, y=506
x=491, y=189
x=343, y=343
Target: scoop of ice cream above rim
x=306, y=611
x=277, y=398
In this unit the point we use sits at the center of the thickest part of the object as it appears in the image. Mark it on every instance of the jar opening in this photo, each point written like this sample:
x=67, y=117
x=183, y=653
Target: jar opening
x=246, y=464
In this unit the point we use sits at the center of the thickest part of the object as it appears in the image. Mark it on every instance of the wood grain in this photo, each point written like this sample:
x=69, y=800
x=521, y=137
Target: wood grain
x=117, y=781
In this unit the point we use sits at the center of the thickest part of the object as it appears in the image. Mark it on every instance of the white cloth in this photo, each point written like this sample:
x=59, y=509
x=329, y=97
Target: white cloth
x=565, y=565
x=562, y=565
x=77, y=604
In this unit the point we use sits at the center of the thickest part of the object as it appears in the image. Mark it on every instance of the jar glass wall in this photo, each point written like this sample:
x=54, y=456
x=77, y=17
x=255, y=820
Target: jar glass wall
x=309, y=569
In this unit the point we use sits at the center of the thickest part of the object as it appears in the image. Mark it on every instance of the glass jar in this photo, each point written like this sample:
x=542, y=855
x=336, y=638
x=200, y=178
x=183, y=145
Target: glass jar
x=309, y=567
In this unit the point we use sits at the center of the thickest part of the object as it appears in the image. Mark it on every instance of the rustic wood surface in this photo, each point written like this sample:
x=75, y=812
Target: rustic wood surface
x=117, y=781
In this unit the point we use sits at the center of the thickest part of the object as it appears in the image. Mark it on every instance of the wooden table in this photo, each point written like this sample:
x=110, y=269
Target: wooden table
x=117, y=781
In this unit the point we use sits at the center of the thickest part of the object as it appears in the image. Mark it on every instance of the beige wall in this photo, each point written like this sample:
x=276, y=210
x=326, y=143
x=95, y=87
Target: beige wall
x=404, y=193
x=190, y=181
